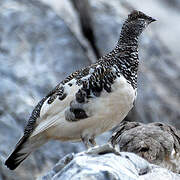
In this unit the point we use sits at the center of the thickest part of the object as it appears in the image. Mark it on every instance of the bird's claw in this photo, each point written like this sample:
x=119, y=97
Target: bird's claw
x=103, y=149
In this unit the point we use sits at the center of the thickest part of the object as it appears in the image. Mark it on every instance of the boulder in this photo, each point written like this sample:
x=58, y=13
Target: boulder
x=107, y=166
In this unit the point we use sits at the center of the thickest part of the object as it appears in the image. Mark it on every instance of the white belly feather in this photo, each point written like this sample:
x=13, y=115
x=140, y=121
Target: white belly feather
x=108, y=110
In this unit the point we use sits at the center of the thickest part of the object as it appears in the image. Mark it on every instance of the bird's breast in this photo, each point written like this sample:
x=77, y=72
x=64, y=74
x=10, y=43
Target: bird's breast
x=111, y=108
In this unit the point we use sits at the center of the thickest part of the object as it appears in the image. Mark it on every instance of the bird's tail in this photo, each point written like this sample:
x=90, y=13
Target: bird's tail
x=22, y=150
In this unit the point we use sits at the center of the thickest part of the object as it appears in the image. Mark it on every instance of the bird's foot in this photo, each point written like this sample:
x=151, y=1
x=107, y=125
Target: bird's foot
x=103, y=149
x=89, y=142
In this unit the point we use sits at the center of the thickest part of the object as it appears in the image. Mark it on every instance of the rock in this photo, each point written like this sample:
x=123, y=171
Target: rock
x=173, y=3
x=107, y=167
x=70, y=15
x=158, y=143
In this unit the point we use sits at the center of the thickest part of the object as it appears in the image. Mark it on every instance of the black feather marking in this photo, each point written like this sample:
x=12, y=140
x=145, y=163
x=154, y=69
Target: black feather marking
x=32, y=120
x=12, y=162
x=80, y=96
x=79, y=113
x=63, y=96
x=57, y=92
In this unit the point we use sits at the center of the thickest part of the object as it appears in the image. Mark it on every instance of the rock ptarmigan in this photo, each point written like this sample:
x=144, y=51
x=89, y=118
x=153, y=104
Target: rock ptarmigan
x=89, y=101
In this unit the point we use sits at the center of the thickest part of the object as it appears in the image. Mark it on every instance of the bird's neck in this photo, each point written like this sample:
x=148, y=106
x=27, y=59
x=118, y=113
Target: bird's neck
x=126, y=55
x=129, y=35
x=128, y=42
x=126, y=51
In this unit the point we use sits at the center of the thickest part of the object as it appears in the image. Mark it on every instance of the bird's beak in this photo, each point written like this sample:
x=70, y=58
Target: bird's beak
x=152, y=20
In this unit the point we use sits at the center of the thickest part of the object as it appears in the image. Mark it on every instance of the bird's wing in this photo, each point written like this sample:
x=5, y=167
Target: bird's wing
x=53, y=108
x=46, y=105
x=71, y=100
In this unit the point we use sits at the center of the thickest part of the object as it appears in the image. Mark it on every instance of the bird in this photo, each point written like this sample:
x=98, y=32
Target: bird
x=158, y=143
x=91, y=100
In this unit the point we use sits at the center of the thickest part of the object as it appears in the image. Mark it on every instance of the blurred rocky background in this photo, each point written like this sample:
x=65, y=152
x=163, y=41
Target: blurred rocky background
x=42, y=41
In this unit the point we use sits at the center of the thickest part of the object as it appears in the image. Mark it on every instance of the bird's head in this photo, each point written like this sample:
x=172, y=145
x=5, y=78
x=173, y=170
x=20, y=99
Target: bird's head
x=139, y=20
x=136, y=22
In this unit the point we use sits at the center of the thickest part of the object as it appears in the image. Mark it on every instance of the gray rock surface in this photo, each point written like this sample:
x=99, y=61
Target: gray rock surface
x=126, y=166
x=43, y=41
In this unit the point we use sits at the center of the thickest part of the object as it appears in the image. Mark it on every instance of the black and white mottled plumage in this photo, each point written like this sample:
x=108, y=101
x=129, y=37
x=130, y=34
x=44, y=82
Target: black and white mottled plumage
x=89, y=101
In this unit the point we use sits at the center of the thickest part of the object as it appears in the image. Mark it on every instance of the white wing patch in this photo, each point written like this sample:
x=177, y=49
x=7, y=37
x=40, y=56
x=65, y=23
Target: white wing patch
x=58, y=105
x=46, y=124
x=50, y=114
